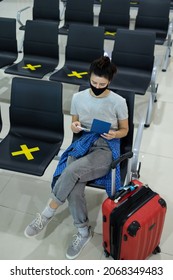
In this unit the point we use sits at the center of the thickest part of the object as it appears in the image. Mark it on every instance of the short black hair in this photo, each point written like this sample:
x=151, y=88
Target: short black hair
x=103, y=67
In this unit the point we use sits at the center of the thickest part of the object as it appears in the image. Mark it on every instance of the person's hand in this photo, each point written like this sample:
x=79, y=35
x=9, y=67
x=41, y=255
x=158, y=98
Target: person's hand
x=110, y=135
x=75, y=128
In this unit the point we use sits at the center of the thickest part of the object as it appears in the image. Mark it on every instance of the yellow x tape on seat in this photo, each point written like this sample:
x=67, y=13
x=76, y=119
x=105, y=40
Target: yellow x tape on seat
x=26, y=151
x=76, y=74
x=134, y=2
x=110, y=33
x=31, y=67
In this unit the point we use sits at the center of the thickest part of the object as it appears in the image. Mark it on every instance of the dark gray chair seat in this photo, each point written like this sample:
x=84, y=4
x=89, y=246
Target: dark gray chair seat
x=134, y=80
x=72, y=74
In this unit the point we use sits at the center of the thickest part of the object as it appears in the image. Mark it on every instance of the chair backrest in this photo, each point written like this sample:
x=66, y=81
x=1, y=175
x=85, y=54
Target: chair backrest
x=46, y=10
x=114, y=13
x=79, y=11
x=84, y=43
x=41, y=39
x=134, y=49
x=8, y=40
x=36, y=109
x=154, y=15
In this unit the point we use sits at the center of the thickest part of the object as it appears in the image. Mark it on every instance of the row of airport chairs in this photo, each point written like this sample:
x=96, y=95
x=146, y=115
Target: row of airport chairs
x=152, y=14
x=133, y=3
x=133, y=54
x=36, y=128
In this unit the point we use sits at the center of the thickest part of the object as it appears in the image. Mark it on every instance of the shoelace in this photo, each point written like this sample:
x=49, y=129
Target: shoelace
x=76, y=241
x=38, y=223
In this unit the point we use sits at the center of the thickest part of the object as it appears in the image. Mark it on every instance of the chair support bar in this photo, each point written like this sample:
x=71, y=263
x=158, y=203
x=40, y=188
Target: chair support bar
x=152, y=98
x=19, y=14
x=168, y=47
x=136, y=149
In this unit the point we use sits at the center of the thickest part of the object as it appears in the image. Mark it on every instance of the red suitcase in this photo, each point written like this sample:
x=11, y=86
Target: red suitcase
x=133, y=223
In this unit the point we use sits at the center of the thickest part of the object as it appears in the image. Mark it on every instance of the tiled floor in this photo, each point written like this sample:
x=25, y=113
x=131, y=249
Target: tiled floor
x=21, y=196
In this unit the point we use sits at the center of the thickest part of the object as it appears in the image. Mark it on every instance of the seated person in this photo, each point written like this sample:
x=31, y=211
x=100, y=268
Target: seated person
x=89, y=157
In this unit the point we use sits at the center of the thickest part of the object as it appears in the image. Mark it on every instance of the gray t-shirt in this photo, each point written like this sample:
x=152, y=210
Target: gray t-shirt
x=110, y=108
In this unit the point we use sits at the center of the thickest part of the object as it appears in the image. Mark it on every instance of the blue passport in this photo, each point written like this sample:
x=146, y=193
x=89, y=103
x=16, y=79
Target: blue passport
x=100, y=127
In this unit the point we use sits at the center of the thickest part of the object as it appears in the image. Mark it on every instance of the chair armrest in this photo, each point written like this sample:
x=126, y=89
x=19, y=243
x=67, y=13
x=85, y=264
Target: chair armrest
x=19, y=14
x=169, y=34
x=121, y=158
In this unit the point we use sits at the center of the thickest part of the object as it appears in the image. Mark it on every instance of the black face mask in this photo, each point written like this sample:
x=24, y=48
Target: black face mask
x=98, y=91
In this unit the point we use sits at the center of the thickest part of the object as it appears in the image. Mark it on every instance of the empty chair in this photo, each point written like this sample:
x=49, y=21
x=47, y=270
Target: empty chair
x=153, y=15
x=8, y=41
x=85, y=43
x=42, y=10
x=36, y=126
x=77, y=11
x=41, y=50
x=133, y=54
x=114, y=14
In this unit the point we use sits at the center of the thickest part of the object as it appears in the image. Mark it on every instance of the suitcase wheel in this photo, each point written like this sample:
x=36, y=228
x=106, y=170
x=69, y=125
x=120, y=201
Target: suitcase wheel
x=157, y=250
x=106, y=254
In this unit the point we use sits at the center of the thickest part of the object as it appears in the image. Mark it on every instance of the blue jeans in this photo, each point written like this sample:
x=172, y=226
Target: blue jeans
x=71, y=184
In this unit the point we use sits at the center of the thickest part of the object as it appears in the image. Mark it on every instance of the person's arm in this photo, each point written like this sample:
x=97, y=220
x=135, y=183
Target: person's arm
x=75, y=123
x=122, y=131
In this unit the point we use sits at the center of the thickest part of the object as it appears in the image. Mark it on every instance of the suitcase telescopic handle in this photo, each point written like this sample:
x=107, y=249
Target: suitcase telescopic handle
x=124, y=191
x=113, y=166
